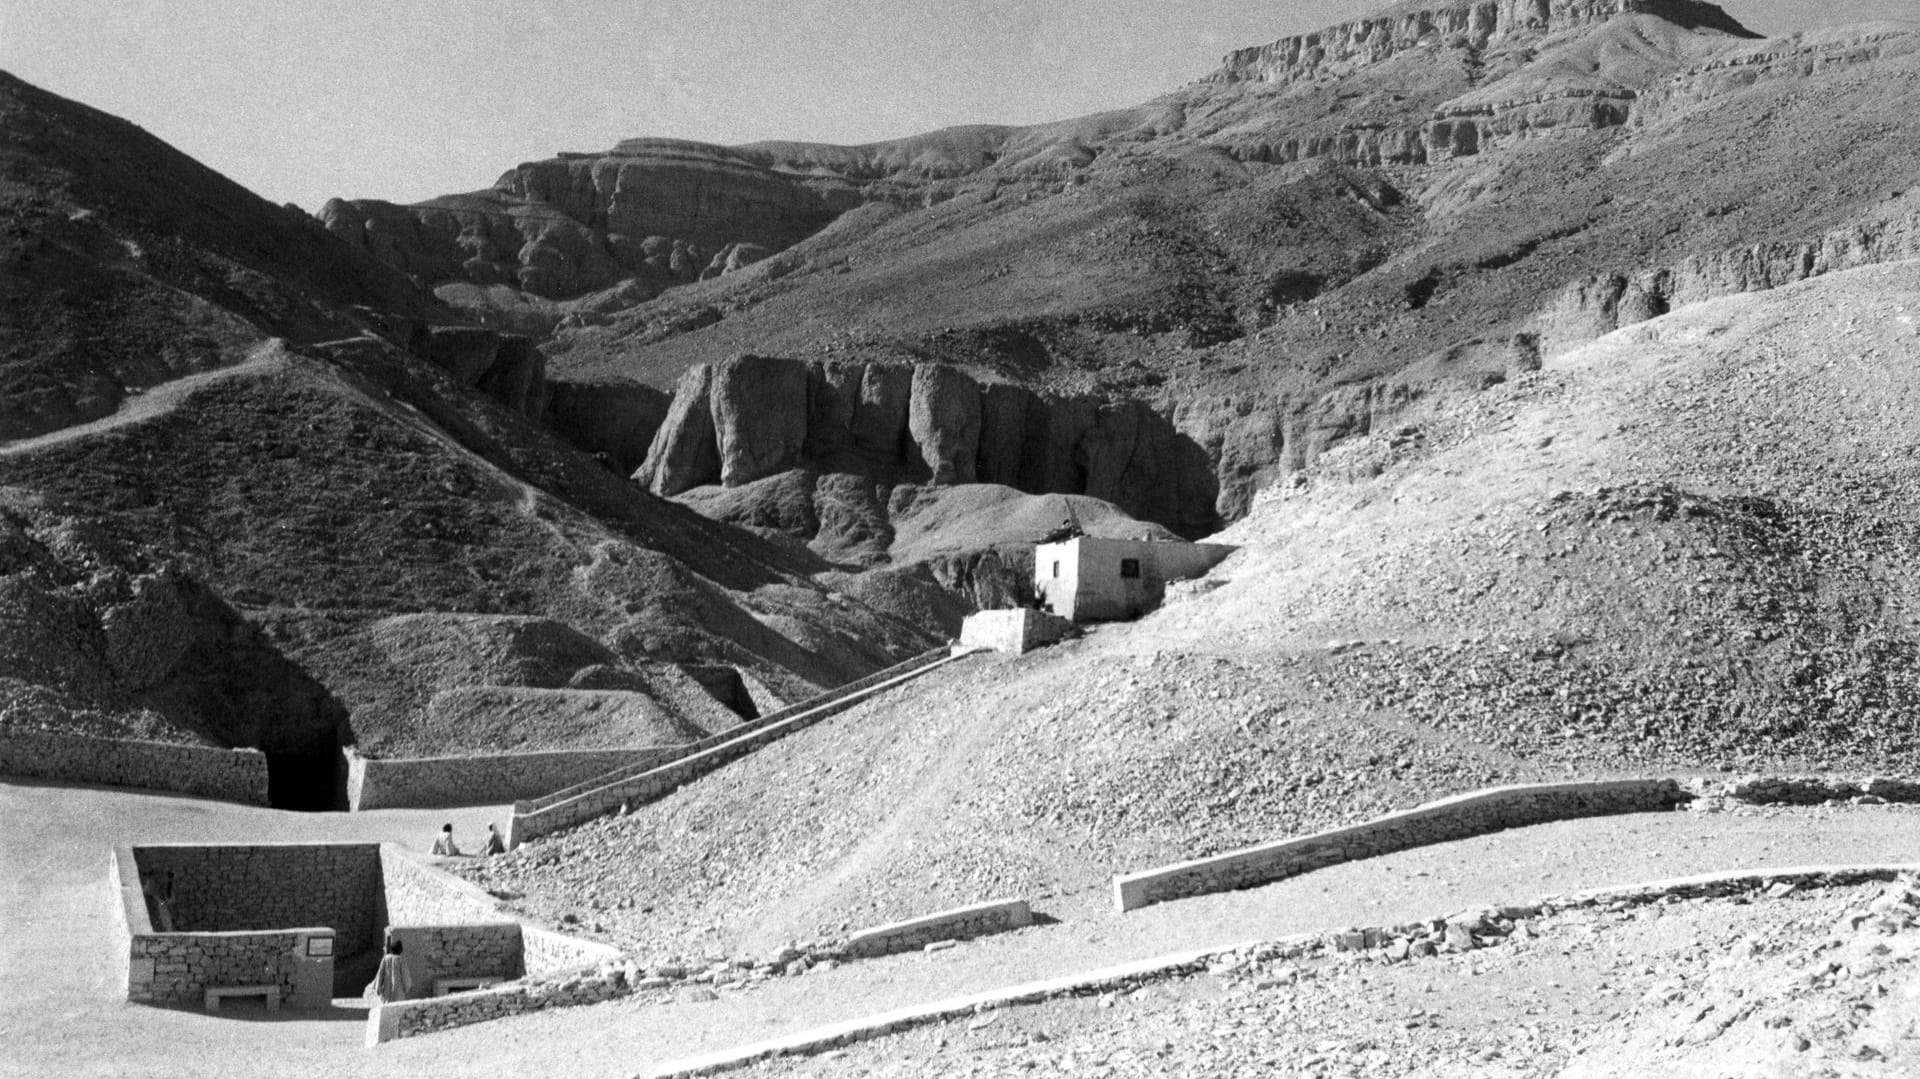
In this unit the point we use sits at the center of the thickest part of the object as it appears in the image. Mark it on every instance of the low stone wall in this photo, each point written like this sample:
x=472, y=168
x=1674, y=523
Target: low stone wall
x=220, y=888
x=459, y=951
x=1807, y=790
x=442, y=782
x=546, y=953
x=177, y=968
x=961, y=923
x=390, y=1021
x=419, y=894
x=236, y=775
x=1251, y=963
x=564, y=809
x=1466, y=815
x=1014, y=631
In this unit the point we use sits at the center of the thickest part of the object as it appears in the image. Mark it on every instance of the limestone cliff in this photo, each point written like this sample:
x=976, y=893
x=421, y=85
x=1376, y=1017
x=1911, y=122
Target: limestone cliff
x=659, y=212
x=753, y=417
x=1474, y=24
x=1600, y=304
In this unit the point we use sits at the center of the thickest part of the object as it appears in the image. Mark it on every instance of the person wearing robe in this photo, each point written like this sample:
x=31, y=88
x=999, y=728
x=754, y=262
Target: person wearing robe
x=444, y=845
x=495, y=845
x=391, y=982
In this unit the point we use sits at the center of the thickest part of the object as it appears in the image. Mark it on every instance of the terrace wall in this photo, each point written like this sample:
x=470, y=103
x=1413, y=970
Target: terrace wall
x=237, y=775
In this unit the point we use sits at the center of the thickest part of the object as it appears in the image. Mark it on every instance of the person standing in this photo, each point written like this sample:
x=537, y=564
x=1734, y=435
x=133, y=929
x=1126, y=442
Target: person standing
x=391, y=982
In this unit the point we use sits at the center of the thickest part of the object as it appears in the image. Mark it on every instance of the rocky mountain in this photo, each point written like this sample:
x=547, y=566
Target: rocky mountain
x=257, y=489
x=1280, y=256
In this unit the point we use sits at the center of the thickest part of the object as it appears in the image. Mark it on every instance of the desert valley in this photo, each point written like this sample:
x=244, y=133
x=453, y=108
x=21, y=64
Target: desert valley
x=1504, y=416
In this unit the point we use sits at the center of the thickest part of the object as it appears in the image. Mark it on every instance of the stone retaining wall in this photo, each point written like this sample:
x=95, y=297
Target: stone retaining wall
x=236, y=775
x=1487, y=927
x=389, y=1021
x=546, y=953
x=1014, y=631
x=437, y=782
x=419, y=894
x=1807, y=790
x=220, y=888
x=459, y=951
x=961, y=923
x=585, y=802
x=177, y=968
x=1459, y=817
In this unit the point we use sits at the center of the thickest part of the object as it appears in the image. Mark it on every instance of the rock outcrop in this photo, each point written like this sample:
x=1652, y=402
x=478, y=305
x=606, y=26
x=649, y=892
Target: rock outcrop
x=506, y=367
x=752, y=417
x=1474, y=24
x=656, y=211
x=1600, y=304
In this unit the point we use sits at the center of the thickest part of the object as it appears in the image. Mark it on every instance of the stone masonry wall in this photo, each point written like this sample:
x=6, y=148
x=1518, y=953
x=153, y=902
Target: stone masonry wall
x=418, y=894
x=406, y=1019
x=546, y=953
x=237, y=775
x=241, y=887
x=1436, y=822
x=962, y=923
x=563, y=809
x=178, y=968
x=459, y=951
x=434, y=782
x=1014, y=631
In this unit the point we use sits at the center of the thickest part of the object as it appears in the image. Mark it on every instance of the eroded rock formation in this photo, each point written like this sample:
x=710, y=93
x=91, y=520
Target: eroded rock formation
x=1475, y=24
x=752, y=417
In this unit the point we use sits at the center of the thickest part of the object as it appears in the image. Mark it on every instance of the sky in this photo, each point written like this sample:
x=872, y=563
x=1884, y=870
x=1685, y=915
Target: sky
x=303, y=100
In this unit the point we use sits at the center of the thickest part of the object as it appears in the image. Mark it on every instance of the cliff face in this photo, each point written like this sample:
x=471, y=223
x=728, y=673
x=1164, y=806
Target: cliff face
x=1474, y=25
x=752, y=417
x=1600, y=304
x=653, y=212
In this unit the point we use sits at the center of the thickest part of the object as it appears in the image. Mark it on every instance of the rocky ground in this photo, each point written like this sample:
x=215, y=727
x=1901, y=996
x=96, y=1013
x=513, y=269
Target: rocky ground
x=1804, y=983
x=1536, y=586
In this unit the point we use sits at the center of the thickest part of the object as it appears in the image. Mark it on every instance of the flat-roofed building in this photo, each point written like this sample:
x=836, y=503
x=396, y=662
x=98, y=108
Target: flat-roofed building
x=1092, y=579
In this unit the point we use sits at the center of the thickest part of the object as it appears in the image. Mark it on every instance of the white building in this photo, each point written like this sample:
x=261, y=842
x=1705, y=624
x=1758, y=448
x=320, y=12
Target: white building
x=1088, y=579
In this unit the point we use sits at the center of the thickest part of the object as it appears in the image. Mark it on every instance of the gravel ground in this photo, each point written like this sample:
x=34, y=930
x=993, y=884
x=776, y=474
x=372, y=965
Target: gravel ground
x=59, y=1014
x=1789, y=986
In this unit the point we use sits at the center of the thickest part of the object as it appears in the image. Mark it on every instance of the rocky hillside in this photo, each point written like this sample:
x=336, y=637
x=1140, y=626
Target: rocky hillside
x=256, y=489
x=1279, y=257
x=1681, y=547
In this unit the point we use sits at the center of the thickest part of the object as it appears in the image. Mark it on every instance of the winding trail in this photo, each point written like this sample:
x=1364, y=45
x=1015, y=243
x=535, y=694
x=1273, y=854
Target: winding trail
x=60, y=1015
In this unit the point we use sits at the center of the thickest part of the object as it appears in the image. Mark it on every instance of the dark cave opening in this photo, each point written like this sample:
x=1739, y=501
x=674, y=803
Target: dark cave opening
x=308, y=779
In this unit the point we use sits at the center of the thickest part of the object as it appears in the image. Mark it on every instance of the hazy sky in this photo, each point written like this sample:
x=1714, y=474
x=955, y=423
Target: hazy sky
x=401, y=99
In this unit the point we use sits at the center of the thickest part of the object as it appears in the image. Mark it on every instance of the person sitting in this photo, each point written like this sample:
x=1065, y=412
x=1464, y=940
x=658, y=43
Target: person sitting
x=495, y=845
x=444, y=845
x=391, y=982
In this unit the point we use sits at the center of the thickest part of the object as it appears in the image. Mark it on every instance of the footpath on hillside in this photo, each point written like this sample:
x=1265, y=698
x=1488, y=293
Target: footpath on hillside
x=65, y=1018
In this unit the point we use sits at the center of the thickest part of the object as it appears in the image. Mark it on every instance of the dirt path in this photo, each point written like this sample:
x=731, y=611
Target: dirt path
x=266, y=358
x=59, y=1013
x=933, y=792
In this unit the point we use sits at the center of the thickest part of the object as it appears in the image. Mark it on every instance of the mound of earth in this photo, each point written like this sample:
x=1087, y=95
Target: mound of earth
x=1676, y=549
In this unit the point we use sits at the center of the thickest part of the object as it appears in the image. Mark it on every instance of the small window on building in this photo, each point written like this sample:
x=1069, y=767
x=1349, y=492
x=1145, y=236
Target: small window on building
x=1130, y=568
x=1056, y=569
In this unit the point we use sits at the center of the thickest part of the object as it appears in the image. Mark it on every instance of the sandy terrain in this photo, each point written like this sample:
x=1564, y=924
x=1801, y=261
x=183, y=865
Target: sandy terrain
x=62, y=1016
